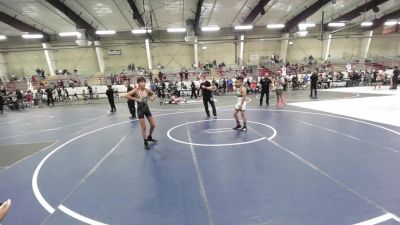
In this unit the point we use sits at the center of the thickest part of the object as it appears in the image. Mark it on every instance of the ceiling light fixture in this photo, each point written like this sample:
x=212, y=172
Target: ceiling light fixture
x=390, y=23
x=32, y=36
x=176, y=30
x=336, y=24
x=306, y=25
x=302, y=33
x=141, y=31
x=275, y=26
x=105, y=32
x=366, y=24
x=211, y=28
x=70, y=34
x=244, y=27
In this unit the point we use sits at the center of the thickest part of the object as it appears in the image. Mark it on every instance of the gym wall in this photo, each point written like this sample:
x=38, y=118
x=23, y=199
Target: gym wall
x=177, y=55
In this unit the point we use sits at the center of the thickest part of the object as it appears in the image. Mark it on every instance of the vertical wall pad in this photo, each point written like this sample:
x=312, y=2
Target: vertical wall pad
x=49, y=58
x=284, y=46
x=100, y=56
x=3, y=68
x=149, y=63
x=365, y=43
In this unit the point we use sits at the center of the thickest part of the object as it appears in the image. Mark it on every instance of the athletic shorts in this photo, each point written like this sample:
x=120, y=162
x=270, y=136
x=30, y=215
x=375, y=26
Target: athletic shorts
x=237, y=106
x=143, y=111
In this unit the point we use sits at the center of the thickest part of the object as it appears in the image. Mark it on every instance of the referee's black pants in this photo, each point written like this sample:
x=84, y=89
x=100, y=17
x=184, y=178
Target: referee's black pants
x=211, y=101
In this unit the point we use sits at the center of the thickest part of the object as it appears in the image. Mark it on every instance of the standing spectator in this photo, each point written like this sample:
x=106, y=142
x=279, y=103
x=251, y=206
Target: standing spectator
x=395, y=77
x=181, y=75
x=20, y=99
x=59, y=93
x=230, y=86
x=305, y=81
x=74, y=94
x=131, y=103
x=29, y=98
x=116, y=92
x=39, y=97
x=186, y=75
x=66, y=95
x=193, y=87
x=265, y=84
x=367, y=79
x=1, y=103
x=160, y=76
x=286, y=83
x=85, y=97
x=90, y=90
x=163, y=86
x=295, y=81
x=110, y=96
x=95, y=92
x=42, y=73
x=314, y=81
x=377, y=79
x=280, y=100
x=49, y=93
x=224, y=86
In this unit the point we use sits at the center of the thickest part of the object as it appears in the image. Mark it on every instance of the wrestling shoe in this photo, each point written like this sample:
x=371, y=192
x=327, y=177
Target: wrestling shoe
x=237, y=127
x=150, y=138
x=146, y=145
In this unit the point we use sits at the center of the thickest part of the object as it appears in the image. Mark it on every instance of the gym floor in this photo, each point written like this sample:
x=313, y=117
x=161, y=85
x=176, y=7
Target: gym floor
x=80, y=164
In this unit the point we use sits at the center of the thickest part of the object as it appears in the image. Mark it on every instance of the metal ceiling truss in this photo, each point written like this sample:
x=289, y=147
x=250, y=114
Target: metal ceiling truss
x=380, y=21
x=21, y=26
x=292, y=23
x=138, y=17
x=197, y=18
x=258, y=10
x=80, y=23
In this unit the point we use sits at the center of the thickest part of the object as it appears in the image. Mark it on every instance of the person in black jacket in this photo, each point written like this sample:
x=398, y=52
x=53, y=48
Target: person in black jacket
x=20, y=99
x=224, y=86
x=265, y=84
x=131, y=103
x=193, y=87
x=1, y=103
x=50, y=98
x=206, y=88
x=395, y=78
x=314, y=81
x=110, y=96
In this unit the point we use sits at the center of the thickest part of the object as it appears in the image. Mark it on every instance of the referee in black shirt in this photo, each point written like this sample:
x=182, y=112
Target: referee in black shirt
x=265, y=84
x=206, y=88
x=314, y=81
x=131, y=103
